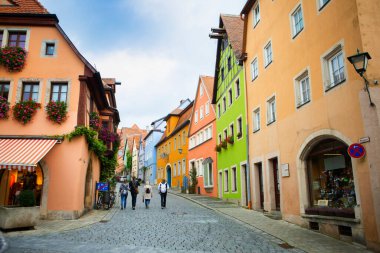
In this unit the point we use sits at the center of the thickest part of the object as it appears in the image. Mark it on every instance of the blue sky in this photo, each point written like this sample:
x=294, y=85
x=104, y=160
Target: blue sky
x=156, y=48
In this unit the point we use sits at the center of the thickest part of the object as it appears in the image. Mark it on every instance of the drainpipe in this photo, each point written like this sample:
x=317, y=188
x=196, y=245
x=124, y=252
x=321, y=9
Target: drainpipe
x=248, y=171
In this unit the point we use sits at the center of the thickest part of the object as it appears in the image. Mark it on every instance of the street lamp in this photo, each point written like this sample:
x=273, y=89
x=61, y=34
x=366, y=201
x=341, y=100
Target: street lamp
x=360, y=61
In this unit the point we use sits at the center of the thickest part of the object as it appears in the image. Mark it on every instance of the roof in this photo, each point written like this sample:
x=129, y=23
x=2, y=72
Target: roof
x=22, y=6
x=129, y=133
x=107, y=82
x=208, y=81
x=247, y=7
x=235, y=29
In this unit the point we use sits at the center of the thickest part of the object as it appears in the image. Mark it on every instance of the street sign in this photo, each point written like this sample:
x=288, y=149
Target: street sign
x=356, y=150
x=102, y=186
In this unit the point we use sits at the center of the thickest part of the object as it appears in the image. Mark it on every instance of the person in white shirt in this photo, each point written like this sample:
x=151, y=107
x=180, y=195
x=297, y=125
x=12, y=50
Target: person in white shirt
x=147, y=194
x=163, y=188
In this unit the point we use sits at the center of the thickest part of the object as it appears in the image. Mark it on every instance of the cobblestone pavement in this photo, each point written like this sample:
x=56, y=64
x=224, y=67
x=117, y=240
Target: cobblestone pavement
x=182, y=227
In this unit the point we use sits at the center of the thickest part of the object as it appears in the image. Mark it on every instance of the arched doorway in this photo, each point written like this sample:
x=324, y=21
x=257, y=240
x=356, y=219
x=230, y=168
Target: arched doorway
x=169, y=175
x=88, y=188
x=330, y=179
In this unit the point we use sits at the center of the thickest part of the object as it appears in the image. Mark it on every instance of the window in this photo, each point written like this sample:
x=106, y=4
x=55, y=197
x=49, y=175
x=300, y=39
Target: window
x=334, y=68
x=229, y=63
x=201, y=134
x=254, y=69
x=175, y=170
x=175, y=143
x=268, y=54
x=201, y=112
x=207, y=172
x=271, y=110
x=256, y=120
x=184, y=166
x=224, y=43
x=1, y=37
x=237, y=88
x=196, y=117
x=201, y=90
x=58, y=92
x=226, y=180
x=224, y=104
x=179, y=141
x=240, y=127
x=4, y=89
x=234, y=178
x=50, y=49
x=220, y=138
x=179, y=168
x=256, y=14
x=222, y=73
x=232, y=130
x=230, y=96
x=225, y=134
x=219, y=111
x=302, y=89
x=184, y=138
x=17, y=39
x=30, y=91
x=207, y=108
x=297, y=21
x=322, y=3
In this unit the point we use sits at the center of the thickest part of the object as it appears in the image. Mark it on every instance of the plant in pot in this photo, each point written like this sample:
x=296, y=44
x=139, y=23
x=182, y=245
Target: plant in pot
x=224, y=144
x=4, y=108
x=230, y=139
x=218, y=148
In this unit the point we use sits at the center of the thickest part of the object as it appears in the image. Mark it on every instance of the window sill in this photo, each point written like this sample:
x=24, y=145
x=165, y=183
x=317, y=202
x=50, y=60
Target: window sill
x=255, y=78
x=209, y=187
x=337, y=84
x=296, y=35
x=269, y=63
x=270, y=123
x=304, y=103
x=254, y=26
x=256, y=130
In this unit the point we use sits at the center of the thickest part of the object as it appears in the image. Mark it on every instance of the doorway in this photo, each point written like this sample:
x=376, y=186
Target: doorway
x=276, y=183
x=259, y=186
x=220, y=192
x=169, y=175
x=88, y=188
x=244, y=184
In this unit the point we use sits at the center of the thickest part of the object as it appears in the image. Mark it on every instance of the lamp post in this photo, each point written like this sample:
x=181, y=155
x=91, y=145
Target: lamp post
x=360, y=61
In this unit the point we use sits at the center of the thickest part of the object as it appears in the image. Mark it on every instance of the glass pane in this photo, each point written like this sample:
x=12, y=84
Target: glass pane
x=21, y=44
x=12, y=37
x=35, y=88
x=63, y=97
x=22, y=37
x=54, y=97
x=12, y=43
x=64, y=88
x=55, y=88
x=35, y=97
x=26, y=96
x=27, y=88
x=6, y=87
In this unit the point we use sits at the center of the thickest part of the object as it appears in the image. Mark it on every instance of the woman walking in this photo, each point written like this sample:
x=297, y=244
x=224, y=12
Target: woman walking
x=123, y=191
x=148, y=195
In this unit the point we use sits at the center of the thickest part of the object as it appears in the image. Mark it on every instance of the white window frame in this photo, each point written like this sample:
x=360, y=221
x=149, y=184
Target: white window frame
x=207, y=175
x=256, y=116
x=295, y=21
x=254, y=68
x=234, y=179
x=271, y=110
x=201, y=112
x=299, y=88
x=174, y=169
x=225, y=180
x=321, y=4
x=179, y=167
x=238, y=128
x=201, y=91
x=256, y=14
x=183, y=166
x=327, y=68
x=207, y=108
x=268, y=57
x=196, y=117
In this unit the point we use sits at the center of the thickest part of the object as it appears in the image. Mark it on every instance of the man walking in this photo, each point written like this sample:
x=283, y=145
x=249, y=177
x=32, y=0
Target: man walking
x=123, y=194
x=134, y=188
x=163, y=191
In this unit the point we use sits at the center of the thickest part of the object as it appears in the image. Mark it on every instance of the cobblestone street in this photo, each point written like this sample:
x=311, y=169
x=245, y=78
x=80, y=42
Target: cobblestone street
x=182, y=227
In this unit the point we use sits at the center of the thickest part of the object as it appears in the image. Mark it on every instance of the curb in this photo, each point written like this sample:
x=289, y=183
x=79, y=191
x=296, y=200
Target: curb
x=3, y=244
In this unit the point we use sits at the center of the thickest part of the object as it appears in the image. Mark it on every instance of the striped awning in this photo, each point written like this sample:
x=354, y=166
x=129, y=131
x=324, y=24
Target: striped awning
x=23, y=153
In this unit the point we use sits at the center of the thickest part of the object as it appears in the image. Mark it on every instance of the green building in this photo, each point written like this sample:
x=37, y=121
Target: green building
x=230, y=105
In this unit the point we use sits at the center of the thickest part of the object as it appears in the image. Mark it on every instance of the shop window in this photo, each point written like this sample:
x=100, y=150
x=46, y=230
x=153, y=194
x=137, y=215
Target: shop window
x=331, y=180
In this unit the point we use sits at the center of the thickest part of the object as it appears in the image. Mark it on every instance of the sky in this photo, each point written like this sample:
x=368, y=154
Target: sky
x=156, y=48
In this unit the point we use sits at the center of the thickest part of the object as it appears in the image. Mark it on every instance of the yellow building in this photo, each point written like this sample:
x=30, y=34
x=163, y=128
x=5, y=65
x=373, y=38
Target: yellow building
x=173, y=146
x=306, y=106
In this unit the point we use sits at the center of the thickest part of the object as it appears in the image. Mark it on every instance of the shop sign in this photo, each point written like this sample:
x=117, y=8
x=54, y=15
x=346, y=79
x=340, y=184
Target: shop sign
x=356, y=150
x=285, y=170
x=102, y=186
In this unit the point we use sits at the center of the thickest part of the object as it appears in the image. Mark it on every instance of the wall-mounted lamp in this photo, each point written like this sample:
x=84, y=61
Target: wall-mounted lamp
x=180, y=150
x=360, y=62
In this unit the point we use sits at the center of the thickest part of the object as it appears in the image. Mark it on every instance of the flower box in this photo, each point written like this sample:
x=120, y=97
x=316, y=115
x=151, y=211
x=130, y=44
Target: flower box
x=56, y=111
x=4, y=108
x=24, y=110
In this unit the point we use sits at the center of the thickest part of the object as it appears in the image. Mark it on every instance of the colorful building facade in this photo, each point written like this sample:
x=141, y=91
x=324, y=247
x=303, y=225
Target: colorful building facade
x=172, y=149
x=306, y=106
x=202, y=139
x=229, y=97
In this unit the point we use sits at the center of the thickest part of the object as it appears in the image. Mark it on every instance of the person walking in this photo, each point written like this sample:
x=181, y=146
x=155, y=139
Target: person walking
x=148, y=195
x=163, y=188
x=134, y=188
x=123, y=192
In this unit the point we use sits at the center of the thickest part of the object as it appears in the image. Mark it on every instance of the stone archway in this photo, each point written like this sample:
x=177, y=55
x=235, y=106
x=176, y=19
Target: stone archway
x=88, y=188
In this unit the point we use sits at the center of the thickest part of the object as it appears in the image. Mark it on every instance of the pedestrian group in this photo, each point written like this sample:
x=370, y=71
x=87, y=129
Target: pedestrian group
x=133, y=187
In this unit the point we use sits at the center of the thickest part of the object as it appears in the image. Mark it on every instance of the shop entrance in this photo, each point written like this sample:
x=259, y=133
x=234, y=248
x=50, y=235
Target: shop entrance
x=331, y=179
x=13, y=182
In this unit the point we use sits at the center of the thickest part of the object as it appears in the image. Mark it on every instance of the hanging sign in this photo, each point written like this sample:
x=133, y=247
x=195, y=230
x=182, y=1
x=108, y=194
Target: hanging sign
x=356, y=150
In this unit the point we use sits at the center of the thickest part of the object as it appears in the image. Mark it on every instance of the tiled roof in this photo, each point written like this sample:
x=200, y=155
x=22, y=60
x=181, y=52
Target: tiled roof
x=235, y=31
x=209, y=83
x=128, y=134
x=22, y=6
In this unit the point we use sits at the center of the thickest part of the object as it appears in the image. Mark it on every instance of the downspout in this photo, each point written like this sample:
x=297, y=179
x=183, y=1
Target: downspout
x=248, y=171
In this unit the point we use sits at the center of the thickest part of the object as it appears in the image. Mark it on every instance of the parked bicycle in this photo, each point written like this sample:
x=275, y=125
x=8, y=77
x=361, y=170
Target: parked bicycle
x=105, y=200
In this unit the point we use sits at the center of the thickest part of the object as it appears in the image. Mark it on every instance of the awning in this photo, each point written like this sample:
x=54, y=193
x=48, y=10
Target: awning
x=23, y=153
x=207, y=160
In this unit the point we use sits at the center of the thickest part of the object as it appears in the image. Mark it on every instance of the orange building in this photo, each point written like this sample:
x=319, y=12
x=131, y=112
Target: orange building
x=54, y=71
x=202, y=143
x=172, y=149
x=306, y=106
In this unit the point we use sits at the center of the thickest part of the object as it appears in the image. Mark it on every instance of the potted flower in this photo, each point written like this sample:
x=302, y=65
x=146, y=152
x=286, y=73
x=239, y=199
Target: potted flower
x=230, y=139
x=224, y=144
x=4, y=108
x=218, y=148
x=25, y=215
x=13, y=58
x=94, y=121
x=56, y=111
x=24, y=110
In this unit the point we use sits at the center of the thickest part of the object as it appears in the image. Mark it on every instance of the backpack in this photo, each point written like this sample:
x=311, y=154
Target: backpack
x=166, y=187
x=147, y=191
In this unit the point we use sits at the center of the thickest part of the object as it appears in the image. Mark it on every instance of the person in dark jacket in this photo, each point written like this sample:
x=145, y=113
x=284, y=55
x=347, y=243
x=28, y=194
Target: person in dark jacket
x=134, y=188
